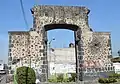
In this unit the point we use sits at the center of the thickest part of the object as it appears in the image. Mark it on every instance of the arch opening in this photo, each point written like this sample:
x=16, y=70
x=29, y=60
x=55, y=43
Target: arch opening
x=75, y=30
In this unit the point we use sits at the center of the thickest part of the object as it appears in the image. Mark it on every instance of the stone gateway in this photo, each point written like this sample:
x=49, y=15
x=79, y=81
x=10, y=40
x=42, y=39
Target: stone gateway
x=30, y=47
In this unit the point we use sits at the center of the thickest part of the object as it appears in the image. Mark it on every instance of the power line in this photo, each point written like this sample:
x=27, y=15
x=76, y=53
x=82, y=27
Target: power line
x=22, y=7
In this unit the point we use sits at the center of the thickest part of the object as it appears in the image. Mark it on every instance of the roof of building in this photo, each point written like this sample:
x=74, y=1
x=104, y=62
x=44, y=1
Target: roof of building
x=115, y=59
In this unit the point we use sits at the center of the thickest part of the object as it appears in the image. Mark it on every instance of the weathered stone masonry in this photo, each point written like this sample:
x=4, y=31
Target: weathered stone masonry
x=31, y=46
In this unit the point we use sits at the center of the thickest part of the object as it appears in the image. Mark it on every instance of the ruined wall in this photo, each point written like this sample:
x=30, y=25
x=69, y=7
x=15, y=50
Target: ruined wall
x=32, y=45
x=98, y=49
x=18, y=47
x=25, y=48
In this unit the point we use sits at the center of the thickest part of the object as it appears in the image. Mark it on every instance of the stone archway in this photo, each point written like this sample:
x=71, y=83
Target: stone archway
x=52, y=17
x=29, y=47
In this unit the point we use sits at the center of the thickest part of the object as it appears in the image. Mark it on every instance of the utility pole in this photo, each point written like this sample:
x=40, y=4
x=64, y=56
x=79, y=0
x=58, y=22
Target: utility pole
x=49, y=54
x=50, y=47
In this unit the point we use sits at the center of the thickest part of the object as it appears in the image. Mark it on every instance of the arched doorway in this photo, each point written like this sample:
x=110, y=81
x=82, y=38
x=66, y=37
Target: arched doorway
x=77, y=33
x=66, y=17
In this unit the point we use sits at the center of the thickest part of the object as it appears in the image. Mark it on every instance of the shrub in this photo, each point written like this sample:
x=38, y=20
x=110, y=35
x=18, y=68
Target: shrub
x=25, y=75
x=70, y=79
x=107, y=80
x=53, y=78
x=56, y=78
x=115, y=75
x=101, y=80
x=60, y=78
x=73, y=77
x=65, y=78
x=112, y=80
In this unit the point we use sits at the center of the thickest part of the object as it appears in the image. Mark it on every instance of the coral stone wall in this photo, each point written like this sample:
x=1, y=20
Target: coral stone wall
x=30, y=47
x=97, y=49
x=18, y=47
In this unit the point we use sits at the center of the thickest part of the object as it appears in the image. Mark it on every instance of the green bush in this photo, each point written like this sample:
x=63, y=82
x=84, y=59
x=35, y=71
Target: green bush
x=107, y=80
x=115, y=75
x=73, y=77
x=101, y=80
x=70, y=79
x=56, y=78
x=112, y=80
x=65, y=77
x=60, y=78
x=25, y=75
x=53, y=78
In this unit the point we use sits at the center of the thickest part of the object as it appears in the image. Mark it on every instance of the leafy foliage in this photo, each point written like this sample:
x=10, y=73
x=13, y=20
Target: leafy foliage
x=115, y=75
x=74, y=76
x=60, y=78
x=53, y=78
x=25, y=75
x=107, y=80
x=63, y=78
x=111, y=79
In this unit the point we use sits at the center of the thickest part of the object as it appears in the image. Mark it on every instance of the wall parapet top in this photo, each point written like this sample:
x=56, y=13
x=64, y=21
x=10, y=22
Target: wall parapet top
x=75, y=9
x=103, y=33
x=18, y=32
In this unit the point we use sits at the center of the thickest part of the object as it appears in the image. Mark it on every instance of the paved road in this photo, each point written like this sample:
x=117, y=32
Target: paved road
x=3, y=79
